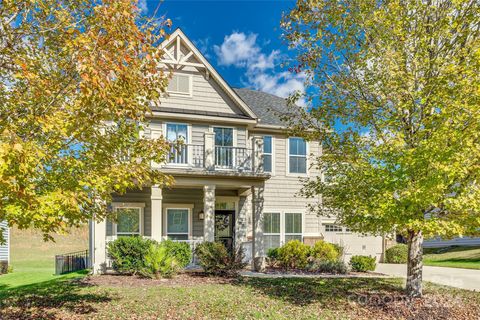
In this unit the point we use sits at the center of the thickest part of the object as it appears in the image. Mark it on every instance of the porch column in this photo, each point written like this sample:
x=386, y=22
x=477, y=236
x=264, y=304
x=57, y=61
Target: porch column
x=100, y=237
x=209, y=138
x=241, y=219
x=209, y=212
x=257, y=211
x=156, y=207
x=257, y=147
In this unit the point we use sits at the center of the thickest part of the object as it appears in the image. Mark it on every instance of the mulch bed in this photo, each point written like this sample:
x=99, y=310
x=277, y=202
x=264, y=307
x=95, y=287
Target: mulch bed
x=182, y=279
x=301, y=272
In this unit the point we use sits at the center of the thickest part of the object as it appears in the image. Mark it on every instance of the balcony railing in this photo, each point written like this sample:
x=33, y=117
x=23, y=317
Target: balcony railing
x=187, y=154
x=233, y=158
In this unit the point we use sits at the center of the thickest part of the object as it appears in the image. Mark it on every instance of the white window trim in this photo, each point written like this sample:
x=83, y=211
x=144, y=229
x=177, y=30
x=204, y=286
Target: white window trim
x=282, y=222
x=272, y=173
x=307, y=163
x=234, y=132
x=184, y=206
x=293, y=234
x=190, y=86
x=280, y=232
x=129, y=205
x=189, y=139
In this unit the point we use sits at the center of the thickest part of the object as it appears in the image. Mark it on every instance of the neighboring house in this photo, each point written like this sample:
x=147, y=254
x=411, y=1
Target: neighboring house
x=462, y=241
x=4, y=248
x=236, y=176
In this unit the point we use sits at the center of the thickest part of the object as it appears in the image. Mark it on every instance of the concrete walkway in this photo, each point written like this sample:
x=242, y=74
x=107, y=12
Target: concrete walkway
x=454, y=277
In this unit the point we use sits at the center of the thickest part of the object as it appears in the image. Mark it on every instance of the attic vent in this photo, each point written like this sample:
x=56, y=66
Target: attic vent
x=180, y=84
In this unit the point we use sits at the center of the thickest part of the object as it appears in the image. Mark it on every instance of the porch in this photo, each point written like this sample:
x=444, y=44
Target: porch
x=195, y=210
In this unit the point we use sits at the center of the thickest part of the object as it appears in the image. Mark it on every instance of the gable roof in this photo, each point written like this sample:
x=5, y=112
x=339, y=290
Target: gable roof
x=266, y=106
x=179, y=37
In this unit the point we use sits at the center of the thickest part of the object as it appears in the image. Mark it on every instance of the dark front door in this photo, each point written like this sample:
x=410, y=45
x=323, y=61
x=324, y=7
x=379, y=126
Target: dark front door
x=224, y=222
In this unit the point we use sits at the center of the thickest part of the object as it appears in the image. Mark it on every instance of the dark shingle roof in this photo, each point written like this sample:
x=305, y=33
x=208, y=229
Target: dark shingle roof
x=266, y=106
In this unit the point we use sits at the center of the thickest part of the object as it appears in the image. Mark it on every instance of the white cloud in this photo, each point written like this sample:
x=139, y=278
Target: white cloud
x=242, y=51
x=142, y=5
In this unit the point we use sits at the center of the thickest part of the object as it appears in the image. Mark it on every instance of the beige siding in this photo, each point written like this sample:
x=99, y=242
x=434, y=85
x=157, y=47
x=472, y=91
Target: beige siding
x=206, y=96
x=186, y=196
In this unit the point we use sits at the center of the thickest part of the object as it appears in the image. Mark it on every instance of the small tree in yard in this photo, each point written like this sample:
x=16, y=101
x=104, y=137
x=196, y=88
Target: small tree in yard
x=397, y=94
x=76, y=81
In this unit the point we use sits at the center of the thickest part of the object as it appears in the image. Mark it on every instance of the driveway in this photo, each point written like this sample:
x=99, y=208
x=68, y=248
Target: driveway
x=454, y=277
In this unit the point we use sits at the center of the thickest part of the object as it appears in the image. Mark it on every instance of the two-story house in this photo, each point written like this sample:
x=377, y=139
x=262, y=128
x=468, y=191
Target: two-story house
x=237, y=173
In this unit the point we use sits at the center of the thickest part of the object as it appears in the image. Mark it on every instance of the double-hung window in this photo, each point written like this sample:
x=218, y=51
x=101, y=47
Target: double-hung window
x=224, y=155
x=267, y=153
x=297, y=155
x=177, y=135
x=293, y=226
x=129, y=221
x=271, y=230
x=178, y=223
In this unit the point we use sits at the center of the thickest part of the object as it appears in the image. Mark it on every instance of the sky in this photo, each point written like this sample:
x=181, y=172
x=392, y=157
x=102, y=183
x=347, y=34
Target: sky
x=241, y=39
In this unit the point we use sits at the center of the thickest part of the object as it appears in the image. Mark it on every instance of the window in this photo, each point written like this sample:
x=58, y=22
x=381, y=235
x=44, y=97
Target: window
x=297, y=155
x=271, y=230
x=180, y=84
x=128, y=221
x=223, y=147
x=178, y=224
x=267, y=153
x=333, y=228
x=293, y=226
x=178, y=132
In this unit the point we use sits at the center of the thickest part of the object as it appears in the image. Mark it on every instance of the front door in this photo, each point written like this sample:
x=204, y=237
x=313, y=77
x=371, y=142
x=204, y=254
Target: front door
x=224, y=222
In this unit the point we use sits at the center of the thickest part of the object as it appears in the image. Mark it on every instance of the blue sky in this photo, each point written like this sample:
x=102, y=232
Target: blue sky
x=241, y=39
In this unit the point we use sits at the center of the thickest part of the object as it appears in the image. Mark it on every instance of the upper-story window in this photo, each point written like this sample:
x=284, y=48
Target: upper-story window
x=267, y=153
x=297, y=157
x=178, y=132
x=180, y=84
x=224, y=152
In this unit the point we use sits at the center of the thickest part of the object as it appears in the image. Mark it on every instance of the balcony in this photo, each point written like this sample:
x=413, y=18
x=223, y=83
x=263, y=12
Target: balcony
x=210, y=159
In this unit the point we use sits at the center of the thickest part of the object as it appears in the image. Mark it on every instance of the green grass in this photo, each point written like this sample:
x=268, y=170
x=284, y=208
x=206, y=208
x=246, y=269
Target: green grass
x=32, y=258
x=453, y=257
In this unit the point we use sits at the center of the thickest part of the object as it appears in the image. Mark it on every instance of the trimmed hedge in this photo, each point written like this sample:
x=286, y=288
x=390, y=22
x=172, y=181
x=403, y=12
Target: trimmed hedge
x=325, y=251
x=363, y=263
x=293, y=255
x=128, y=254
x=397, y=254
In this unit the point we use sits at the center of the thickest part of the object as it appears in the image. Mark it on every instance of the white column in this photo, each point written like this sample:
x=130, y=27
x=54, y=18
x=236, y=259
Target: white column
x=257, y=147
x=257, y=211
x=156, y=214
x=209, y=212
x=100, y=237
x=209, y=146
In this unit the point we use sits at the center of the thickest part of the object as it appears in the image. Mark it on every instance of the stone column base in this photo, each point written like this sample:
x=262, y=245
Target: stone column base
x=259, y=264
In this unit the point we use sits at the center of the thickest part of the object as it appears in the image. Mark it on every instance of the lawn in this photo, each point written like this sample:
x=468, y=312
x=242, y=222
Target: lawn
x=195, y=297
x=33, y=292
x=454, y=257
x=33, y=259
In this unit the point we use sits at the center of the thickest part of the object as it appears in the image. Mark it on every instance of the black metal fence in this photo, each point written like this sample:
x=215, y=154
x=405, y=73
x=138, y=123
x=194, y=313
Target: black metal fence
x=70, y=262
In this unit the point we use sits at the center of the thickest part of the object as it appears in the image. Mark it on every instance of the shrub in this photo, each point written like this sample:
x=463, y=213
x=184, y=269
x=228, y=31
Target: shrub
x=363, y=263
x=272, y=256
x=4, y=267
x=179, y=250
x=160, y=262
x=128, y=254
x=293, y=255
x=214, y=258
x=397, y=254
x=325, y=251
x=325, y=266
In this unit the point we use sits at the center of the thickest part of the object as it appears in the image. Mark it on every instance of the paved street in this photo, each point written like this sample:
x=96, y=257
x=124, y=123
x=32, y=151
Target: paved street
x=455, y=277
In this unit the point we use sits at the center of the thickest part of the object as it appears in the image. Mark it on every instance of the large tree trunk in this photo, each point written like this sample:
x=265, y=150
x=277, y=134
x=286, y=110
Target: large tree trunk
x=415, y=264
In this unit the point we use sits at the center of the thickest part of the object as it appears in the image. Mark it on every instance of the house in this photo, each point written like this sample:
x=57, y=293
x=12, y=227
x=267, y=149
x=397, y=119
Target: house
x=236, y=175
x=5, y=247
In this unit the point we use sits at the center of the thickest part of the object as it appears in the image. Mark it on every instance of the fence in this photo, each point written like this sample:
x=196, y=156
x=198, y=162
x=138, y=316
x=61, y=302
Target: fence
x=70, y=262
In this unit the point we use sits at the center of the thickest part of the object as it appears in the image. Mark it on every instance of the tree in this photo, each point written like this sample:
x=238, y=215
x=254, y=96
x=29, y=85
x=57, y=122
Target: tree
x=76, y=80
x=396, y=91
